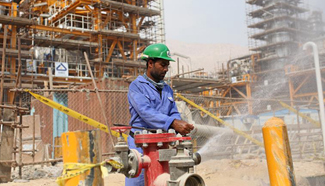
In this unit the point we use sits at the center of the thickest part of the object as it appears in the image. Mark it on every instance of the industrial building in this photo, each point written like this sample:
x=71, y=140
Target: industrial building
x=254, y=87
x=43, y=46
x=46, y=46
x=276, y=30
x=112, y=33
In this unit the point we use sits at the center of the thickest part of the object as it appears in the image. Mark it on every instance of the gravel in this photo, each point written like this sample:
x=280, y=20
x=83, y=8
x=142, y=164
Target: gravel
x=32, y=172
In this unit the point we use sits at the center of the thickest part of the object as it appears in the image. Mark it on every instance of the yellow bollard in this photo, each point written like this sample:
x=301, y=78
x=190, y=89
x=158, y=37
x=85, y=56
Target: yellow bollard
x=83, y=147
x=278, y=153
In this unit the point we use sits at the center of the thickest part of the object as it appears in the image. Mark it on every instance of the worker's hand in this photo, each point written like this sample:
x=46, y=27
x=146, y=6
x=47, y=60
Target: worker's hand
x=182, y=126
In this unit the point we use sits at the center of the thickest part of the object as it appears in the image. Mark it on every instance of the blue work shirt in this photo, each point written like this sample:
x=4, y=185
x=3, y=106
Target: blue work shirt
x=148, y=109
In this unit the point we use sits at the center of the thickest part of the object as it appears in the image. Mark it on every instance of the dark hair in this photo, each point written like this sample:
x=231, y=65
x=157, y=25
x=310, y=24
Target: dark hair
x=152, y=59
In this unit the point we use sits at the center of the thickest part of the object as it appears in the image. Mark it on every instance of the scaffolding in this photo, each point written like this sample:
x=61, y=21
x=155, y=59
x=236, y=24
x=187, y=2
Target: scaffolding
x=276, y=31
x=113, y=33
x=36, y=35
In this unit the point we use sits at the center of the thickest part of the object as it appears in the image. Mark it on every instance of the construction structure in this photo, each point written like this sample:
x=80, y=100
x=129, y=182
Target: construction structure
x=279, y=29
x=249, y=88
x=113, y=33
x=42, y=48
x=276, y=30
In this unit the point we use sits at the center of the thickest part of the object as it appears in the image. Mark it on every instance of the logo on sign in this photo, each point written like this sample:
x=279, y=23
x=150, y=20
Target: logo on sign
x=61, y=67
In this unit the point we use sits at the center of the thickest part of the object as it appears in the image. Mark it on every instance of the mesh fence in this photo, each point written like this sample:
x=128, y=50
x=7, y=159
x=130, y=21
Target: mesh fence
x=212, y=137
x=53, y=122
x=217, y=141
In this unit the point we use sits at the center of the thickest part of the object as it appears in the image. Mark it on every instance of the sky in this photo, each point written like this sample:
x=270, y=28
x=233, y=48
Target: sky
x=211, y=21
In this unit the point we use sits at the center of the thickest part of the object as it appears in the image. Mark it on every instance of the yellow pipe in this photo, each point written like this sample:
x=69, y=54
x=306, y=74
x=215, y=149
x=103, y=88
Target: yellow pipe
x=300, y=114
x=278, y=154
x=221, y=121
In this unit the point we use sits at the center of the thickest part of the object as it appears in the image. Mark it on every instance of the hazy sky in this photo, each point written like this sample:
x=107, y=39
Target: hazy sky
x=211, y=21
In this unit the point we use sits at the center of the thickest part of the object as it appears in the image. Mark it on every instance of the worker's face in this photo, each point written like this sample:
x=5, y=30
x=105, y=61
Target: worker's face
x=158, y=69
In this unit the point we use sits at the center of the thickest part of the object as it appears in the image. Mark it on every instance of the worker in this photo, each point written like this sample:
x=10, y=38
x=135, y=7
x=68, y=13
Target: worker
x=152, y=102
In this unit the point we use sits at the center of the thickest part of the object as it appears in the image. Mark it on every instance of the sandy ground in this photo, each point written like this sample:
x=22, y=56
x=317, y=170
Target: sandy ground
x=225, y=172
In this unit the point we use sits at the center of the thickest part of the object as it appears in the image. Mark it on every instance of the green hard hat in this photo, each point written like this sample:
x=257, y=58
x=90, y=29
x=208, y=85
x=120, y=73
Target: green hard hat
x=156, y=51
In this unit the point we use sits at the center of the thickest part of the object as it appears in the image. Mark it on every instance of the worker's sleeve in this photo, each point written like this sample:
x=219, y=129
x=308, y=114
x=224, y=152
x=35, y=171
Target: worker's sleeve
x=174, y=111
x=152, y=117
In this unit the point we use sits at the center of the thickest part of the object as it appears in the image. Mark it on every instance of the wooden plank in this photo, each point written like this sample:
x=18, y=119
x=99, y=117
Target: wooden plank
x=6, y=132
x=6, y=150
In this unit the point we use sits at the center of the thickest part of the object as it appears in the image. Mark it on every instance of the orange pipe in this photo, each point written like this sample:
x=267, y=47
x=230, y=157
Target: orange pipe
x=278, y=153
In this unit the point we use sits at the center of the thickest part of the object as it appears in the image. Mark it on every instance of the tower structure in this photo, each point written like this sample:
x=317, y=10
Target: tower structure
x=276, y=29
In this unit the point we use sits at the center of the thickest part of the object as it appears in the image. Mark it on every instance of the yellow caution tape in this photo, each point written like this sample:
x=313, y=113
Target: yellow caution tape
x=75, y=114
x=257, y=142
x=300, y=114
x=71, y=170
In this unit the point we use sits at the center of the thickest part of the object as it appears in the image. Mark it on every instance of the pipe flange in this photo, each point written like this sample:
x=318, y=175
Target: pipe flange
x=135, y=165
x=191, y=179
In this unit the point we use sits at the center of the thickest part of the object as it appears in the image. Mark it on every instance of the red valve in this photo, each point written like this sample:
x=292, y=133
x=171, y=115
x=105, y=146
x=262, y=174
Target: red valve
x=121, y=129
x=155, y=138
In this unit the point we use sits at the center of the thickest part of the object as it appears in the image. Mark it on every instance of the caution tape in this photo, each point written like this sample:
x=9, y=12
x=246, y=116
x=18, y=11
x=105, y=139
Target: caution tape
x=317, y=124
x=75, y=114
x=257, y=142
x=71, y=170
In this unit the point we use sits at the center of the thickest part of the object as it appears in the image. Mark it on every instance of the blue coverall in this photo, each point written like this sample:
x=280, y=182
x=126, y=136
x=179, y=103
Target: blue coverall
x=151, y=110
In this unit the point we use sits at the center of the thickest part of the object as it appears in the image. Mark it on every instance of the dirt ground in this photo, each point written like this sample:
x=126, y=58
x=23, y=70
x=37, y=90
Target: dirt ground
x=252, y=172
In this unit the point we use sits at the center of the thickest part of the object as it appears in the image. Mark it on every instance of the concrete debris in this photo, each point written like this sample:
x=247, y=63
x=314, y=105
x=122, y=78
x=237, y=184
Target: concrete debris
x=32, y=172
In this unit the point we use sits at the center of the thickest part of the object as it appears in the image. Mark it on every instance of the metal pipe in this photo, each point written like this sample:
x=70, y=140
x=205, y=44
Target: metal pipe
x=228, y=73
x=319, y=86
x=177, y=65
x=33, y=155
x=177, y=75
x=40, y=4
x=181, y=55
x=209, y=131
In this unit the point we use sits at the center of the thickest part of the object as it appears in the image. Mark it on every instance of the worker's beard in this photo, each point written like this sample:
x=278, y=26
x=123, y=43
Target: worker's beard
x=157, y=76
